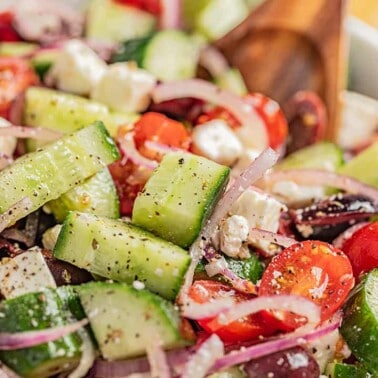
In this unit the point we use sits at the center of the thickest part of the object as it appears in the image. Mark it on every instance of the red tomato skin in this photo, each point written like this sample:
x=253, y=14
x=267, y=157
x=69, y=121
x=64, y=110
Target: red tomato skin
x=248, y=328
x=312, y=269
x=7, y=32
x=150, y=6
x=362, y=249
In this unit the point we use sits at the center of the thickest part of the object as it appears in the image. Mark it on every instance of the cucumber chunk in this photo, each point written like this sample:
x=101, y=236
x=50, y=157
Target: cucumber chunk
x=17, y=48
x=47, y=173
x=97, y=195
x=340, y=370
x=112, y=22
x=122, y=252
x=67, y=113
x=360, y=322
x=124, y=320
x=363, y=167
x=323, y=155
x=36, y=311
x=179, y=196
x=43, y=60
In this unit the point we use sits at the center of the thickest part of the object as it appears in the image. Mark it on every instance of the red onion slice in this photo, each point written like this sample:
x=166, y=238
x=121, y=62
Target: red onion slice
x=29, y=132
x=6, y=372
x=15, y=212
x=197, y=311
x=170, y=17
x=200, y=362
x=319, y=177
x=127, y=146
x=158, y=360
x=213, y=60
x=287, y=341
x=284, y=241
x=293, y=303
x=251, y=174
x=160, y=147
x=344, y=236
x=201, y=89
x=12, y=341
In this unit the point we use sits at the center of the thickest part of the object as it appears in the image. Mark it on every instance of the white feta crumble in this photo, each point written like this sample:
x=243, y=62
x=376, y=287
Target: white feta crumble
x=124, y=87
x=25, y=273
x=138, y=285
x=216, y=141
x=233, y=233
x=77, y=68
x=159, y=272
x=50, y=237
x=261, y=211
x=291, y=192
x=297, y=360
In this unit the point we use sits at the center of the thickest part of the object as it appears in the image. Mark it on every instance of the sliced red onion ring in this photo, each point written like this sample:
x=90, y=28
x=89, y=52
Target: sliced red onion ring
x=284, y=241
x=16, y=109
x=285, y=342
x=213, y=60
x=158, y=360
x=251, y=174
x=160, y=147
x=6, y=372
x=128, y=148
x=15, y=212
x=29, y=132
x=201, y=361
x=319, y=177
x=197, y=311
x=88, y=355
x=344, y=236
x=293, y=303
x=201, y=89
x=170, y=17
x=12, y=341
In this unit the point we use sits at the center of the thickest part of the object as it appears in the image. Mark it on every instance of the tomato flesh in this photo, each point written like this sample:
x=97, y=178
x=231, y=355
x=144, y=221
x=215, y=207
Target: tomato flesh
x=362, y=249
x=7, y=32
x=248, y=328
x=15, y=76
x=150, y=6
x=268, y=110
x=312, y=269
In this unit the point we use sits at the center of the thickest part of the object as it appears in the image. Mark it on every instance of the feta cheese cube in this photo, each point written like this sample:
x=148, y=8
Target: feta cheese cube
x=261, y=211
x=216, y=141
x=125, y=88
x=25, y=273
x=77, y=68
x=233, y=233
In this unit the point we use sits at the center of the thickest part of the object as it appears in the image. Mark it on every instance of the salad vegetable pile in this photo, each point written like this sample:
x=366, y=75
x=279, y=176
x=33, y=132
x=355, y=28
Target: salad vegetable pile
x=157, y=220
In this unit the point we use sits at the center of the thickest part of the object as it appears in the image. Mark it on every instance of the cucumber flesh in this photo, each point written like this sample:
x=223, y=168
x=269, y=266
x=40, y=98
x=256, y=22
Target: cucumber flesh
x=96, y=195
x=36, y=311
x=124, y=320
x=42, y=61
x=17, y=48
x=67, y=113
x=341, y=370
x=122, y=252
x=363, y=167
x=360, y=322
x=232, y=80
x=179, y=196
x=323, y=155
x=112, y=22
x=171, y=55
x=47, y=173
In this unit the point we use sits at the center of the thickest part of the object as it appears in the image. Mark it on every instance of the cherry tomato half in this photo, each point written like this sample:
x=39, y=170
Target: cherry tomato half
x=267, y=109
x=312, y=269
x=151, y=6
x=159, y=128
x=7, y=32
x=362, y=249
x=15, y=76
x=248, y=328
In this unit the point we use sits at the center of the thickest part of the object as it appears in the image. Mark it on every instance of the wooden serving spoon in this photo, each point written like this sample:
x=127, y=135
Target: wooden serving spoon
x=285, y=46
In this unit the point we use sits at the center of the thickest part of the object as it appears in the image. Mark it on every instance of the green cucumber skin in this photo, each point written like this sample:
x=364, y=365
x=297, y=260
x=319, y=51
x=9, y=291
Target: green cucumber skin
x=341, y=370
x=46, y=174
x=35, y=311
x=179, y=197
x=360, y=323
x=122, y=252
x=323, y=155
x=363, y=167
x=96, y=195
x=124, y=320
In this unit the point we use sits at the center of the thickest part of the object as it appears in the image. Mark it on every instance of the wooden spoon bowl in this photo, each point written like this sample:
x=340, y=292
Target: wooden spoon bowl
x=289, y=45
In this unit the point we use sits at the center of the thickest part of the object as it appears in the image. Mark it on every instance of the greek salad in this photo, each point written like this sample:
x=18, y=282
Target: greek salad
x=159, y=220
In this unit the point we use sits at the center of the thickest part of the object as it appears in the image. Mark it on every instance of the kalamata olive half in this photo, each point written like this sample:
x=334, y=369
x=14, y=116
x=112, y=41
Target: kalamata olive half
x=326, y=219
x=291, y=363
